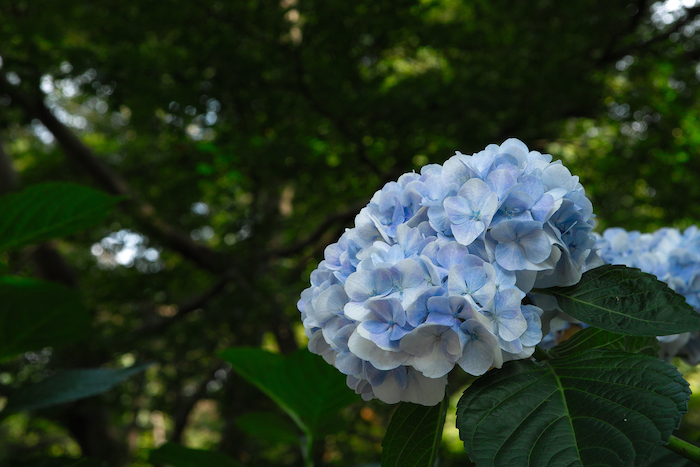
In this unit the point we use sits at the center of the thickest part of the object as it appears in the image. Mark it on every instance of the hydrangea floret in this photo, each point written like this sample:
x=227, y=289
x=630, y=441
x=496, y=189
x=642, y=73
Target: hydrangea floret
x=438, y=269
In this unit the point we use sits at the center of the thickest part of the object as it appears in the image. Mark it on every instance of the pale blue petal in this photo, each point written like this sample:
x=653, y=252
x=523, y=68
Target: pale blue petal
x=423, y=390
x=510, y=256
x=330, y=303
x=504, y=231
x=443, y=319
x=438, y=219
x=375, y=327
x=418, y=310
x=537, y=246
x=348, y=363
x=454, y=171
x=501, y=183
x=359, y=285
x=420, y=341
x=514, y=346
x=454, y=253
x=411, y=274
x=511, y=324
x=477, y=192
x=384, y=308
x=458, y=209
x=467, y=232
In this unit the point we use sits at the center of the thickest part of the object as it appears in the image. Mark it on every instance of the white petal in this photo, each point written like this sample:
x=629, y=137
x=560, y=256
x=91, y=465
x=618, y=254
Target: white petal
x=423, y=390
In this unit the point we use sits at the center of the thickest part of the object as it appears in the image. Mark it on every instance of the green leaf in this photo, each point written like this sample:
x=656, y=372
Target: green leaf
x=599, y=407
x=306, y=387
x=269, y=426
x=414, y=434
x=50, y=210
x=36, y=314
x=594, y=338
x=179, y=456
x=69, y=386
x=626, y=301
x=662, y=457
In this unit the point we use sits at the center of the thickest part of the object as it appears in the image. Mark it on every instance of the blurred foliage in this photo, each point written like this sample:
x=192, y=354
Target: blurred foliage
x=247, y=134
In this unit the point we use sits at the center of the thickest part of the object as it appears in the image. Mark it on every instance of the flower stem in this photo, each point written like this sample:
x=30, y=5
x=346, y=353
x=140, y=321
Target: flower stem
x=684, y=448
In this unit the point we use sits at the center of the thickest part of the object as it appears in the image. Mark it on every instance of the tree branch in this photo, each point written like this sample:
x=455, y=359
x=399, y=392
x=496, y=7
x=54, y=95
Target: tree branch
x=691, y=15
x=186, y=308
x=114, y=184
x=318, y=232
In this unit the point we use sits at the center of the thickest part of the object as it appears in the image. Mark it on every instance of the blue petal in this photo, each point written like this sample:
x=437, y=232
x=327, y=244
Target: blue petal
x=501, y=183
x=467, y=232
x=510, y=256
x=375, y=327
x=537, y=246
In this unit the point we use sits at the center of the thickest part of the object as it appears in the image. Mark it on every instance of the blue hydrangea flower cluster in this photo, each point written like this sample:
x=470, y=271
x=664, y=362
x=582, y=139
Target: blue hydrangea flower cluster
x=436, y=268
x=674, y=258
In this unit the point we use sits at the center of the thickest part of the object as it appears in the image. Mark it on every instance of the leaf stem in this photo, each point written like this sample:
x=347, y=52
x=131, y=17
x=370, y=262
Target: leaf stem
x=684, y=448
x=307, y=449
x=541, y=354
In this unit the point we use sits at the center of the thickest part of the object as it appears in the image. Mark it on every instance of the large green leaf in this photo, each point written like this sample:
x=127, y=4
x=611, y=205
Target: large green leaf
x=594, y=338
x=68, y=386
x=270, y=426
x=306, y=387
x=663, y=457
x=179, y=456
x=414, y=434
x=599, y=407
x=626, y=301
x=36, y=314
x=50, y=210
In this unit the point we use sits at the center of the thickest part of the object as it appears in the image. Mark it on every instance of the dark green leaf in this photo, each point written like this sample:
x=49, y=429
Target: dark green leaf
x=68, y=386
x=599, y=407
x=306, y=387
x=594, y=338
x=179, y=456
x=626, y=301
x=36, y=314
x=50, y=210
x=269, y=426
x=662, y=457
x=414, y=434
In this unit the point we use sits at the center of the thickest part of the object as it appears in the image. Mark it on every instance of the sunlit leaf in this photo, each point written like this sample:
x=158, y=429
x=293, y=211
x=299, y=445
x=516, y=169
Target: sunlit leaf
x=306, y=387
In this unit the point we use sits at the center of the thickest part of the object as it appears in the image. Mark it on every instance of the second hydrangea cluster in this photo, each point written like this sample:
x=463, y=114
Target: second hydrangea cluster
x=436, y=268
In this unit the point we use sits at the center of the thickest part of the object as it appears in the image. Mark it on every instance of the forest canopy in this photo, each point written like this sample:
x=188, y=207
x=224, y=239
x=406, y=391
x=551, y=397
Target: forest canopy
x=238, y=139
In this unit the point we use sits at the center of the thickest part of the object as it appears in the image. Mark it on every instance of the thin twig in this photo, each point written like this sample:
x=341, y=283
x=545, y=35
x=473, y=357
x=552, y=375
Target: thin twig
x=318, y=232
